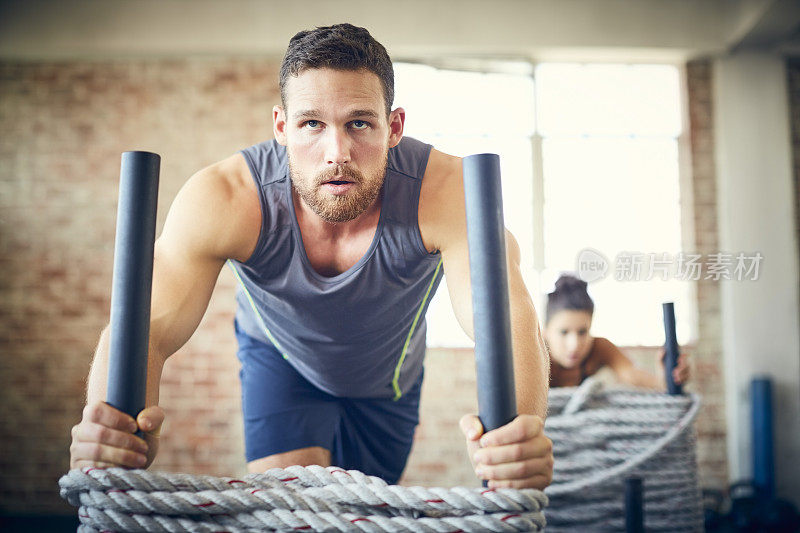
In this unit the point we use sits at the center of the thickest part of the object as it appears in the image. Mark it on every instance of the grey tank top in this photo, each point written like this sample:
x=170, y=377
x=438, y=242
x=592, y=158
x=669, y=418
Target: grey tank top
x=359, y=334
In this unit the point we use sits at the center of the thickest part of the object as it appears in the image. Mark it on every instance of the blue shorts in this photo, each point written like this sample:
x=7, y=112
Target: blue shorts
x=284, y=412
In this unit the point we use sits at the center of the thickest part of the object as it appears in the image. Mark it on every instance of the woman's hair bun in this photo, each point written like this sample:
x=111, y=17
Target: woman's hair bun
x=568, y=282
x=570, y=293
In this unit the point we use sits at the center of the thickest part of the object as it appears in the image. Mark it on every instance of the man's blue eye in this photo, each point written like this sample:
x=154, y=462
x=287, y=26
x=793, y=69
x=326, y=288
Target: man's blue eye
x=359, y=124
x=312, y=123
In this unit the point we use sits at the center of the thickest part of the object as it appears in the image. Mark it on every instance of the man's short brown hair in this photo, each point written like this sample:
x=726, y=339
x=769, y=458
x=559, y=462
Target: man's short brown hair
x=340, y=47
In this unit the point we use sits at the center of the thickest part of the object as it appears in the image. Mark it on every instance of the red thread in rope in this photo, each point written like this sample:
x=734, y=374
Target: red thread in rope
x=507, y=517
x=207, y=504
x=360, y=519
x=288, y=479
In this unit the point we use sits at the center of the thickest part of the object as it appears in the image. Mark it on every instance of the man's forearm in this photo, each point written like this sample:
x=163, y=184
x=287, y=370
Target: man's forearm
x=531, y=363
x=97, y=385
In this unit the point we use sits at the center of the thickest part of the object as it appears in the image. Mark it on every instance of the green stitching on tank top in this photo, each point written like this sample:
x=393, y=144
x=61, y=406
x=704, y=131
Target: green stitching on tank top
x=255, y=310
x=395, y=380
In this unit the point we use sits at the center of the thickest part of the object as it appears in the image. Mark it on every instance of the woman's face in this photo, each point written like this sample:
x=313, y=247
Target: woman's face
x=568, y=338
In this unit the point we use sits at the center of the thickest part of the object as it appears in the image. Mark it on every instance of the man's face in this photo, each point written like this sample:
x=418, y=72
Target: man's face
x=337, y=136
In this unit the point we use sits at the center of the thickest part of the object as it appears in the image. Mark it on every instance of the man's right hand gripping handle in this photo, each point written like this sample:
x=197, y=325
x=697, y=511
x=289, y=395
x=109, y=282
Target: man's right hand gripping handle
x=106, y=437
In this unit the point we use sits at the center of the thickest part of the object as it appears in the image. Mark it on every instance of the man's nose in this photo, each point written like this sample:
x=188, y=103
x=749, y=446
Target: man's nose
x=338, y=147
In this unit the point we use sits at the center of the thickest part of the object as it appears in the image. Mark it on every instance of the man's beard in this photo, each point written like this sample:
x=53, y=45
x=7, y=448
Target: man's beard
x=342, y=208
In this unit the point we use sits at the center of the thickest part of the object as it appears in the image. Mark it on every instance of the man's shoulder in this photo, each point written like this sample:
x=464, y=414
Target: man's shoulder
x=267, y=160
x=220, y=202
x=422, y=161
x=443, y=174
x=441, y=203
x=409, y=157
x=227, y=178
x=224, y=189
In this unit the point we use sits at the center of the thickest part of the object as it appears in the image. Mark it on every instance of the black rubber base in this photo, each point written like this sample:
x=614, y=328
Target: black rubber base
x=38, y=523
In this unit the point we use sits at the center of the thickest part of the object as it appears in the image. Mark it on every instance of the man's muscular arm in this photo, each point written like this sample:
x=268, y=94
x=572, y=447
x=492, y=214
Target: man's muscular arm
x=216, y=215
x=517, y=454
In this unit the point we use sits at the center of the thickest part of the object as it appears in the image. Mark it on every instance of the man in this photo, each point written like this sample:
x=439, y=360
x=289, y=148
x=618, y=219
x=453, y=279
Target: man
x=338, y=231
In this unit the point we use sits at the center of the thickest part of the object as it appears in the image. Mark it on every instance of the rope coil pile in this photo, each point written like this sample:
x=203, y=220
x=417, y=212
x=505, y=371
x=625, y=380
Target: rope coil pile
x=600, y=437
x=312, y=498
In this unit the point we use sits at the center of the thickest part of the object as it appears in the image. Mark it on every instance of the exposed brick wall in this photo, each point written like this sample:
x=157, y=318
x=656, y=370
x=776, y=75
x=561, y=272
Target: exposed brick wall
x=707, y=379
x=64, y=126
x=439, y=457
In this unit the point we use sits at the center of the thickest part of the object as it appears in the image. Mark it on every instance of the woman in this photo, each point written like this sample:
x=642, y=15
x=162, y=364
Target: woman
x=576, y=355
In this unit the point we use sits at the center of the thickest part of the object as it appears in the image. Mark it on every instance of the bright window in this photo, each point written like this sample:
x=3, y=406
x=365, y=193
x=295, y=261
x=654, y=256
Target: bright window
x=599, y=171
x=611, y=184
x=463, y=113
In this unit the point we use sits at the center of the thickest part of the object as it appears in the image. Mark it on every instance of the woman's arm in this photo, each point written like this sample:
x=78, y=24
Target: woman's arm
x=628, y=373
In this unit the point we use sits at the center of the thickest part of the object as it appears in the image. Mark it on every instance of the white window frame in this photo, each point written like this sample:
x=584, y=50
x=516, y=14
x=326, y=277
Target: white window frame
x=534, y=277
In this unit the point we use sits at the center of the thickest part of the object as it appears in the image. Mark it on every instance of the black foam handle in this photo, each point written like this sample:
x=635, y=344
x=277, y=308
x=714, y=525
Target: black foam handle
x=497, y=403
x=634, y=505
x=671, y=348
x=132, y=282
x=762, y=436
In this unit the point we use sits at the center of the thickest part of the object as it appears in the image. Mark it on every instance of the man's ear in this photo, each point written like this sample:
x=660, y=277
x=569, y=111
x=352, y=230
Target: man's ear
x=397, y=120
x=279, y=124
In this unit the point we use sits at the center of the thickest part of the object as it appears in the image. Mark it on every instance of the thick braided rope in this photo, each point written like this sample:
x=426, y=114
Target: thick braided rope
x=312, y=498
x=600, y=437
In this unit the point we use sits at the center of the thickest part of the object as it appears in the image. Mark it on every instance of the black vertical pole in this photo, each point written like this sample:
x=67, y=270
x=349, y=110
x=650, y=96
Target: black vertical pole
x=133, y=277
x=497, y=404
x=762, y=435
x=671, y=348
x=634, y=505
